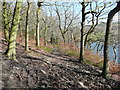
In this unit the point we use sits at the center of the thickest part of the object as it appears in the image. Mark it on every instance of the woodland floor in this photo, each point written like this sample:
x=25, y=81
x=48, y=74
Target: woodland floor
x=43, y=70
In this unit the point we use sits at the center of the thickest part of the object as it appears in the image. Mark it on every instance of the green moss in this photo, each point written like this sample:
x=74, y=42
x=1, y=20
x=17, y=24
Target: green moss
x=100, y=64
x=56, y=46
x=88, y=62
x=47, y=49
x=72, y=53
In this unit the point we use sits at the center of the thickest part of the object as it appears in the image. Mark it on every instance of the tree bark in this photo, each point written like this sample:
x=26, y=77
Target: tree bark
x=11, y=50
x=115, y=56
x=109, y=20
x=6, y=22
x=37, y=26
x=27, y=28
x=82, y=33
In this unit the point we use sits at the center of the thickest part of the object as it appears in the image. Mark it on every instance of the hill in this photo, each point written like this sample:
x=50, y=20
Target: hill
x=37, y=69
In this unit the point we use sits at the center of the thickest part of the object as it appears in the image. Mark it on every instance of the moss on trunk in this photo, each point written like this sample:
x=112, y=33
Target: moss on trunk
x=11, y=50
x=27, y=28
x=6, y=22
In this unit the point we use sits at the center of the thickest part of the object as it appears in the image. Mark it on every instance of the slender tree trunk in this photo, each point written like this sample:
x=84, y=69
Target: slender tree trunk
x=6, y=22
x=20, y=31
x=27, y=28
x=11, y=50
x=98, y=47
x=115, y=56
x=63, y=36
x=45, y=36
x=82, y=32
x=101, y=48
x=109, y=20
x=37, y=26
x=86, y=37
x=95, y=45
x=72, y=37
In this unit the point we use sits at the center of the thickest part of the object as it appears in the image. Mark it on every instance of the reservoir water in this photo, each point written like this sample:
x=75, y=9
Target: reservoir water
x=111, y=51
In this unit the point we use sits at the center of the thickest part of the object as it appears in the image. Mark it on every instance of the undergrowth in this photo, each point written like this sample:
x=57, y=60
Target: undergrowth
x=73, y=50
x=46, y=49
x=89, y=57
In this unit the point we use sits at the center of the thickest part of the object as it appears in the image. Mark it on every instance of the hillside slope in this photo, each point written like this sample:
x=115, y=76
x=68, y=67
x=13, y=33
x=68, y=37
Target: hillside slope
x=37, y=69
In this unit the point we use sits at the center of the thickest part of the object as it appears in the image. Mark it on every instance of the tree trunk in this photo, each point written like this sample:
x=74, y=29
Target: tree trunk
x=11, y=50
x=63, y=36
x=37, y=26
x=115, y=56
x=88, y=33
x=27, y=28
x=6, y=22
x=109, y=20
x=98, y=47
x=45, y=34
x=101, y=48
x=82, y=33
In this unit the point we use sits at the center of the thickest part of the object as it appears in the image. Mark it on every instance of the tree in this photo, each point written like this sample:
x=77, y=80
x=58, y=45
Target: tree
x=82, y=32
x=48, y=22
x=68, y=20
x=96, y=12
x=11, y=49
x=109, y=20
x=37, y=24
x=27, y=27
x=6, y=22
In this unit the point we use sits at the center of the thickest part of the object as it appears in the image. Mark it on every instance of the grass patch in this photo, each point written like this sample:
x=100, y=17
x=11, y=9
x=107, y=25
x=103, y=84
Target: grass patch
x=89, y=62
x=72, y=53
x=46, y=49
x=89, y=57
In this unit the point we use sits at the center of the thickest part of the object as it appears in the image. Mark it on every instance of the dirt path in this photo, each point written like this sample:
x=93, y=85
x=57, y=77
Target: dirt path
x=43, y=70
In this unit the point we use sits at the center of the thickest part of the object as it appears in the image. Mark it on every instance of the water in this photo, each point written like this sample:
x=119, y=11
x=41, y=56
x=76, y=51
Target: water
x=118, y=54
x=111, y=52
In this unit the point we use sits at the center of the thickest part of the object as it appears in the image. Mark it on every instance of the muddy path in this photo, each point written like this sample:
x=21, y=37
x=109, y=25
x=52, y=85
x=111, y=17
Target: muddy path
x=43, y=70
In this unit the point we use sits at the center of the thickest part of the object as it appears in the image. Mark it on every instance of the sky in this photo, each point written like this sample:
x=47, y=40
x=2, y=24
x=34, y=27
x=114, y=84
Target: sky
x=116, y=17
x=79, y=6
x=78, y=10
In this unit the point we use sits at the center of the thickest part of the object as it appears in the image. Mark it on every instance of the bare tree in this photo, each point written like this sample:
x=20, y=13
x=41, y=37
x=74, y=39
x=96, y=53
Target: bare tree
x=11, y=49
x=109, y=20
x=37, y=24
x=82, y=32
x=68, y=20
x=27, y=27
x=98, y=10
x=6, y=21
